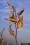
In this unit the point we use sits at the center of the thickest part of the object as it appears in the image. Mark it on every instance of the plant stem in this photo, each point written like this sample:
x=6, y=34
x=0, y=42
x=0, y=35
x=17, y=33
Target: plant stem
x=16, y=27
x=16, y=34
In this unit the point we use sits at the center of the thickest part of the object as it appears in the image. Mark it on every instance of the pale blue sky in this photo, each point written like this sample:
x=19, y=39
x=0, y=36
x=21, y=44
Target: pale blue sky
x=4, y=12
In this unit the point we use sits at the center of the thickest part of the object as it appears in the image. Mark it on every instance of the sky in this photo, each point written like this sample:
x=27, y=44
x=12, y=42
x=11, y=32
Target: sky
x=23, y=32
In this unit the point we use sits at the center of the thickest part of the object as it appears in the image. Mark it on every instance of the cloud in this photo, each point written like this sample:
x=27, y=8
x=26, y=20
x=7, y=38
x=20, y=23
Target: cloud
x=4, y=10
x=25, y=30
x=24, y=36
x=3, y=1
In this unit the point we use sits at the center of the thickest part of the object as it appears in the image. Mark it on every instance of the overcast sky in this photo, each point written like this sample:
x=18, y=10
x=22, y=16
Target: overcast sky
x=23, y=32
